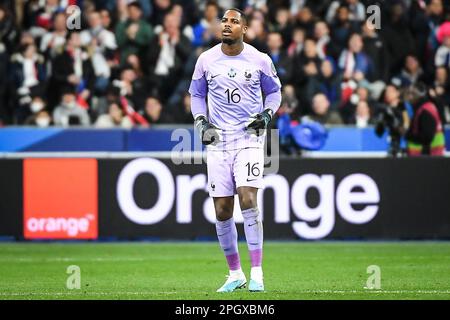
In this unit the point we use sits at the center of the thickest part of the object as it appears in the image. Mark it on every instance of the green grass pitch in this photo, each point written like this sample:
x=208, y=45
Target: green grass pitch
x=194, y=270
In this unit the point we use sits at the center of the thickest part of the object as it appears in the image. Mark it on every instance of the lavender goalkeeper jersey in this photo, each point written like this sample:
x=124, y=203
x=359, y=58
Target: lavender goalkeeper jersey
x=234, y=88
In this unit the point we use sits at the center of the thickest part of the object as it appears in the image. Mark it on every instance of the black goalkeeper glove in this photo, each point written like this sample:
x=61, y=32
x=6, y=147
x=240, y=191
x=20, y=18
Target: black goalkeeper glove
x=209, y=133
x=258, y=122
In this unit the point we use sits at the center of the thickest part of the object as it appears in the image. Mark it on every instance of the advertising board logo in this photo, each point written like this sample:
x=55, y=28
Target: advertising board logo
x=60, y=199
x=355, y=198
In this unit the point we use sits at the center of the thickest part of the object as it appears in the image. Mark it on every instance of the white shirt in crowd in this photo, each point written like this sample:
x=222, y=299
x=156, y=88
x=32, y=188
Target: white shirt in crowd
x=105, y=40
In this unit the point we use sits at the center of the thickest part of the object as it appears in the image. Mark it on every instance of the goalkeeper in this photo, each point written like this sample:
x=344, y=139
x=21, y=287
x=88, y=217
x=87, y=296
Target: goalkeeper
x=233, y=76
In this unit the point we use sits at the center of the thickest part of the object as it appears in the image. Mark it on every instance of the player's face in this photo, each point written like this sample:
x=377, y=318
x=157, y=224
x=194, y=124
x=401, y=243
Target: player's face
x=233, y=27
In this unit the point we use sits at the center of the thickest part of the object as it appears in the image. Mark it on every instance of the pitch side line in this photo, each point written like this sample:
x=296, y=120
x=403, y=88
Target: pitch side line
x=181, y=292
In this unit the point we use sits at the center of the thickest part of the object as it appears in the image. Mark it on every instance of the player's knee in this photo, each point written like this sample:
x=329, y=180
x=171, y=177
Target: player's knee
x=247, y=201
x=223, y=212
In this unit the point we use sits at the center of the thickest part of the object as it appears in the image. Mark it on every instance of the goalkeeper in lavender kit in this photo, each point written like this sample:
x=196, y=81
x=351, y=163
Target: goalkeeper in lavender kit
x=233, y=77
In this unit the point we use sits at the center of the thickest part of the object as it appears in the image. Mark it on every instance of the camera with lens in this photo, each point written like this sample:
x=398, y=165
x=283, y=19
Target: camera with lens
x=391, y=120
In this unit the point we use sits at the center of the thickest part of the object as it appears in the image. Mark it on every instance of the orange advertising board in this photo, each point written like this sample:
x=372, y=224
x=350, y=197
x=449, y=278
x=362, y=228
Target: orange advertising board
x=60, y=198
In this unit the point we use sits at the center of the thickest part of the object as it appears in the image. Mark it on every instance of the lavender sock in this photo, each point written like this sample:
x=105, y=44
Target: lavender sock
x=254, y=234
x=227, y=234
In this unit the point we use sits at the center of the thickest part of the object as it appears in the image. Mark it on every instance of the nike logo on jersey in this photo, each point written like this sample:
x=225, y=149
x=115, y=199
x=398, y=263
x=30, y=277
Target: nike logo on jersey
x=250, y=180
x=212, y=77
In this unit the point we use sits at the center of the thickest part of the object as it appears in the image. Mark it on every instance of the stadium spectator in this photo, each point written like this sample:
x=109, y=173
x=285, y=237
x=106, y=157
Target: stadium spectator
x=256, y=35
x=280, y=58
x=134, y=34
x=160, y=9
x=325, y=46
x=106, y=19
x=8, y=39
x=412, y=46
x=399, y=111
x=153, y=111
x=36, y=105
x=289, y=105
x=399, y=39
x=289, y=102
x=283, y=25
x=42, y=14
x=321, y=112
x=342, y=27
x=306, y=65
x=114, y=118
x=375, y=48
x=353, y=62
x=133, y=87
x=435, y=17
x=102, y=43
x=8, y=31
x=305, y=21
x=71, y=69
x=166, y=56
x=28, y=75
x=298, y=42
x=205, y=29
x=134, y=62
x=411, y=74
x=348, y=109
x=442, y=58
x=186, y=29
x=181, y=113
x=357, y=11
x=425, y=135
x=55, y=38
x=69, y=112
x=251, y=5
x=190, y=15
x=362, y=117
x=440, y=92
x=41, y=119
x=328, y=82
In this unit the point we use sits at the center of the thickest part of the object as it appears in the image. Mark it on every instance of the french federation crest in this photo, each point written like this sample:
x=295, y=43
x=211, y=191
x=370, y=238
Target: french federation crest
x=248, y=75
x=232, y=73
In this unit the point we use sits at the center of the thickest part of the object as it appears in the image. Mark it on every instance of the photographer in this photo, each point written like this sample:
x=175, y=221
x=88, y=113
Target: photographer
x=392, y=115
x=425, y=135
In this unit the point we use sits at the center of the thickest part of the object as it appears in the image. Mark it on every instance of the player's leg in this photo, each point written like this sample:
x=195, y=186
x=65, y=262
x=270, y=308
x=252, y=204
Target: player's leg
x=227, y=232
x=228, y=239
x=253, y=233
x=222, y=189
x=249, y=166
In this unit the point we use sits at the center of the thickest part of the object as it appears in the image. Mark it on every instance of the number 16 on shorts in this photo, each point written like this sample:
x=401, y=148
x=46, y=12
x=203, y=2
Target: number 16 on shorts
x=249, y=168
x=229, y=170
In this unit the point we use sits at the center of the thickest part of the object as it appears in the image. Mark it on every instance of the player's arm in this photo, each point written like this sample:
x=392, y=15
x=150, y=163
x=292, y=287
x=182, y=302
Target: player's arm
x=271, y=87
x=198, y=90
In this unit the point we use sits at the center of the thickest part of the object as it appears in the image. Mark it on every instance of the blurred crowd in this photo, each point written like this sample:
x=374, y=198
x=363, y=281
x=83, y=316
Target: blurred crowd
x=129, y=63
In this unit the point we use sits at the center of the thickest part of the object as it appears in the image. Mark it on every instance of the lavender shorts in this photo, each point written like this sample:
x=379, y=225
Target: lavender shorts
x=231, y=169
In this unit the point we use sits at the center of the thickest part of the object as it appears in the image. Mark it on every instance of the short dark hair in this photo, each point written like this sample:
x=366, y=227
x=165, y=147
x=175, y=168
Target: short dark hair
x=243, y=15
x=212, y=3
x=135, y=4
